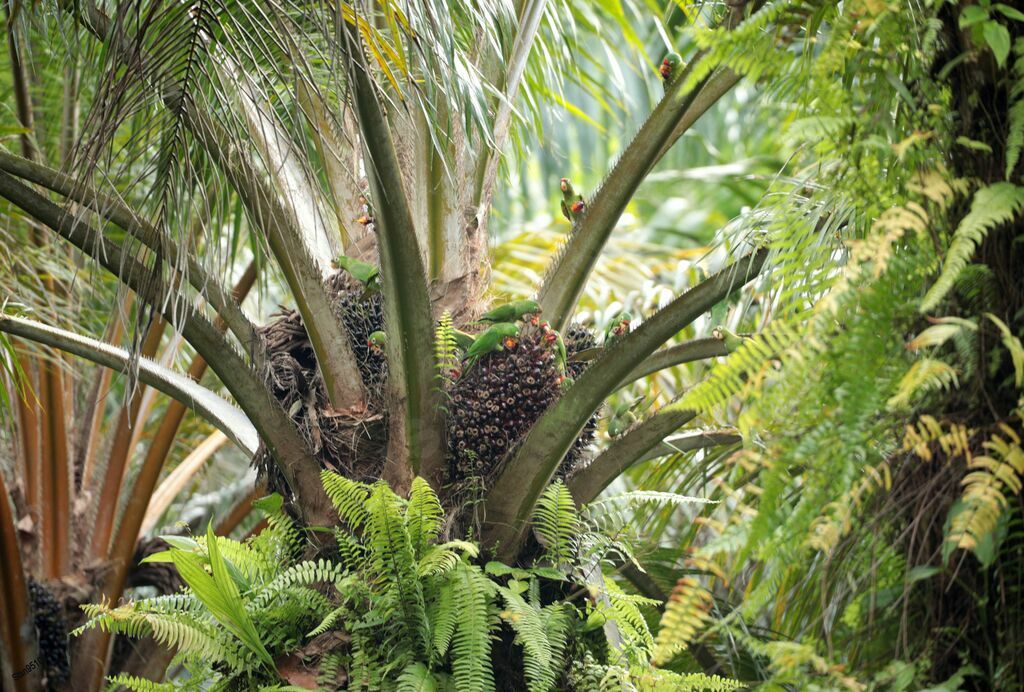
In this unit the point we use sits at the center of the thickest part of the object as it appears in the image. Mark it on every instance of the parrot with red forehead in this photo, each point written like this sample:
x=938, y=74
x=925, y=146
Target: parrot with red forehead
x=572, y=204
x=670, y=67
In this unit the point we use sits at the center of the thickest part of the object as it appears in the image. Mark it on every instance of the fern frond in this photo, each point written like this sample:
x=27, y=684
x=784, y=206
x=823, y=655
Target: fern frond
x=471, y=644
x=394, y=562
x=303, y=574
x=837, y=518
x=136, y=684
x=685, y=614
x=446, y=348
x=557, y=523
x=624, y=610
x=441, y=559
x=1013, y=345
x=417, y=678
x=992, y=206
x=925, y=375
x=740, y=369
x=195, y=638
x=423, y=516
x=991, y=478
x=348, y=497
x=1015, y=114
x=328, y=621
x=954, y=441
x=539, y=655
x=444, y=615
x=655, y=680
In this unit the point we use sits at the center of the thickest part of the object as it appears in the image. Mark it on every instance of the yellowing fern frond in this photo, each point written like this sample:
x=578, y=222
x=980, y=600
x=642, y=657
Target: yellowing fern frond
x=954, y=441
x=991, y=478
x=685, y=614
x=837, y=518
x=925, y=375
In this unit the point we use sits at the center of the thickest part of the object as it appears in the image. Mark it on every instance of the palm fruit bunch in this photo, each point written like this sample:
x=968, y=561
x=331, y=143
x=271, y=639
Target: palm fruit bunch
x=292, y=372
x=578, y=338
x=362, y=314
x=498, y=398
x=52, y=632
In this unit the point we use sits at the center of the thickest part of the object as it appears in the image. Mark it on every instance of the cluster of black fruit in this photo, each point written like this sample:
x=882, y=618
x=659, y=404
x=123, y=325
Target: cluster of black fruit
x=496, y=401
x=361, y=316
x=52, y=632
x=577, y=339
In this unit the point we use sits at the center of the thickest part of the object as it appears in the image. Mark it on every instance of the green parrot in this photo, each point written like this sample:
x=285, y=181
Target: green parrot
x=560, y=355
x=511, y=312
x=553, y=337
x=623, y=417
x=617, y=327
x=670, y=67
x=377, y=341
x=363, y=272
x=732, y=341
x=463, y=339
x=498, y=337
x=572, y=203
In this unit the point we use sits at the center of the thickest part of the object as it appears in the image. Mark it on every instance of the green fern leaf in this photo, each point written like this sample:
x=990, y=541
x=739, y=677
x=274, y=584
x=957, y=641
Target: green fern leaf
x=557, y=523
x=992, y=206
x=423, y=516
x=472, y=670
x=348, y=497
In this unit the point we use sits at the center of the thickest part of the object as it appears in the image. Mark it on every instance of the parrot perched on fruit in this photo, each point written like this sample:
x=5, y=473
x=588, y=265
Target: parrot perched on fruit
x=732, y=341
x=553, y=337
x=572, y=203
x=363, y=272
x=511, y=312
x=498, y=337
x=463, y=339
x=669, y=67
x=617, y=327
x=377, y=341
x=560, y=355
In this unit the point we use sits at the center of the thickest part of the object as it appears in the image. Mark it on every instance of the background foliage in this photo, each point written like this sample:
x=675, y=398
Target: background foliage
x=868, y=528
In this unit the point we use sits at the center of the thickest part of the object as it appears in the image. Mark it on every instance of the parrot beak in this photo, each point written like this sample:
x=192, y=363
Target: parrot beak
x=364, y=220
x=564, y=184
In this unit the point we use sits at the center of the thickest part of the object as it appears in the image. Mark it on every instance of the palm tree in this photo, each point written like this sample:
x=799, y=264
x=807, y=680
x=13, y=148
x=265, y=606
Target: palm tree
x=370, y=131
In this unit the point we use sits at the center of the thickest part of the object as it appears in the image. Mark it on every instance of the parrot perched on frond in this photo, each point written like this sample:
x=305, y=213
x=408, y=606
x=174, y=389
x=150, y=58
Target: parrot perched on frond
x=732, y=341
x=572, y=203
x=617, y=327
x=376, y=341
x=511, y=312
x=670, y=67
x=498, y=337
x=623, y=417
